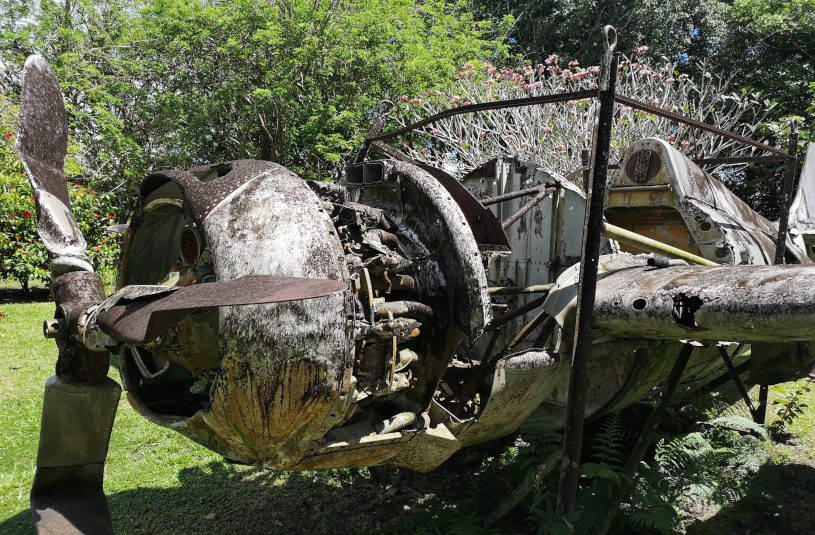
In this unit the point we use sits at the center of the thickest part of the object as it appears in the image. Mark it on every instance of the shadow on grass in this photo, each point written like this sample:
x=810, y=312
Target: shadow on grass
x=779, y=500
x=219, y=498
x=12, y=295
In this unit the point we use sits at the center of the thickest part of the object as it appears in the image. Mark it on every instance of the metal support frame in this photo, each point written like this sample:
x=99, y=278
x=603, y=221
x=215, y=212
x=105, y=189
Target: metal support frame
x=592, y=234
x=644, y=441
x=760, y=414
x=737, y=380
x=508, y=222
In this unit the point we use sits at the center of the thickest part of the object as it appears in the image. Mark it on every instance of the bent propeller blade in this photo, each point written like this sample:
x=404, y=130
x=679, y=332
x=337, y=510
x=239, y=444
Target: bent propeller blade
x=42, y=143
x=141, y=321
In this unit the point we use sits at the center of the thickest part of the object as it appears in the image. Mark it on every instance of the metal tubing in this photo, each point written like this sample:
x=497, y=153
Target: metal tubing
x=585, y=162
x=636, y=104
x=501, y=104
x=516, y=290
x=644, y=441
x=647, y=244
x=506, y=318
x=526, y=208
x=521, y=491
x=515, y=194
x=725, y=378
x=736, y=161
x=736, y=379
x=592, y=233
x=786, y=201
x=379, y=122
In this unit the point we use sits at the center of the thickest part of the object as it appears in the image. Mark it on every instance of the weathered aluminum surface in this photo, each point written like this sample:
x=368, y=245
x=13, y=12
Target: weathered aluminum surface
x=520, y=384
x=429, y=215
x=282, y=366
x=42, y=141
x=802, y=209
x=722, y=226
x=426, y=450
x=142, y=321
x=486, y=228
x=69, y=500
x=750, y=303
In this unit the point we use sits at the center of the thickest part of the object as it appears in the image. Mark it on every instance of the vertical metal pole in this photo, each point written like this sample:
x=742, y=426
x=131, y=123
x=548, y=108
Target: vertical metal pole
x=634, y=460
x=760, y=414
x=585, y=161
x=592, y=232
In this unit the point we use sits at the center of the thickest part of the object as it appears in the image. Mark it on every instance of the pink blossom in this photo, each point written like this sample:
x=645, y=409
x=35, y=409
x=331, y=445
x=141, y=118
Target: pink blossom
x=9, y=135
x=683, y=77
x=571, y=103
x=528, y=70
x=640, y=50
x=523, y=145
x=499, y=76
x=403, y=98
x=626, y=108
x=645, y=72
x=455, y=99
x=509, y=138
x=560, y=148
x=467, y=103
x=538, y=84
x=528, y=87
x=490, y=81
x=462, y=142
x=425, y=150
x=574, y=63
x=670, y=80
x=685, y=143
x=592, y=86
x=548, y=61
x=491, y=70
x=672, y=139
x=654, y=101
x=547, y=130
x=482, y=134
x=635, y=65
x=595, y=69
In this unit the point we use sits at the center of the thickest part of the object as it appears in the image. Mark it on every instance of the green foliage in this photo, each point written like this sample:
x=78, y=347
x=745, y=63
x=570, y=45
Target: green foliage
x=174, y=83
x=22, y=255
x=788, y=407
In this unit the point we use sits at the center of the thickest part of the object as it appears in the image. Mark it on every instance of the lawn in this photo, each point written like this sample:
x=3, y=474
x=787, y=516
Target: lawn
x=160, y=483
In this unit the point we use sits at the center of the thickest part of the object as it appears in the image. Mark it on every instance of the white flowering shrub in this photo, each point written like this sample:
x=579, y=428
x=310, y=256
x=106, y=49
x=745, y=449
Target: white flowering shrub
x=552, y=135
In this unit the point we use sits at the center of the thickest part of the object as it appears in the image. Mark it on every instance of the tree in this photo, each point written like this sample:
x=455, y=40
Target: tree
x=553, y=135
x=174, y=82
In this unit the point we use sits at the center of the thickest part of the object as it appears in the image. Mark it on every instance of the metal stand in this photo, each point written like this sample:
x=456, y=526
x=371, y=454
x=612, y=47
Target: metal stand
x=592, y=233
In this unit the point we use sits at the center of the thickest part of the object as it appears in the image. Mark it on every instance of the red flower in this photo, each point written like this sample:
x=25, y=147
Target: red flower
x=9, y=135
x=97, y=249
x=96, y=216
x=26, y=215
x=32, y=198
x=19, y=237
x=104, y=241
x=1, y=314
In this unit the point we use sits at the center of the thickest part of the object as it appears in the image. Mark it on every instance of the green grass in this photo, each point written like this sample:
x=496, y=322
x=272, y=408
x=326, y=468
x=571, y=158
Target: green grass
x=158, y=482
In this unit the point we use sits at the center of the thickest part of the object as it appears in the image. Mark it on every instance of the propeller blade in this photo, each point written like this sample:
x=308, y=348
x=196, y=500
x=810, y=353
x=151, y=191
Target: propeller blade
x=42, y=144
x=141, y=321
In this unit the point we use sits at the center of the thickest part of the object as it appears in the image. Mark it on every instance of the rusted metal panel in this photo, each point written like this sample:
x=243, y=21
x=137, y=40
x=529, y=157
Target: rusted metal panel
x=717, y=224
x=142, y=321
x=520, y=384
x=755, y=303
x=281, y=365
x=427, y=450
x=486, y=228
